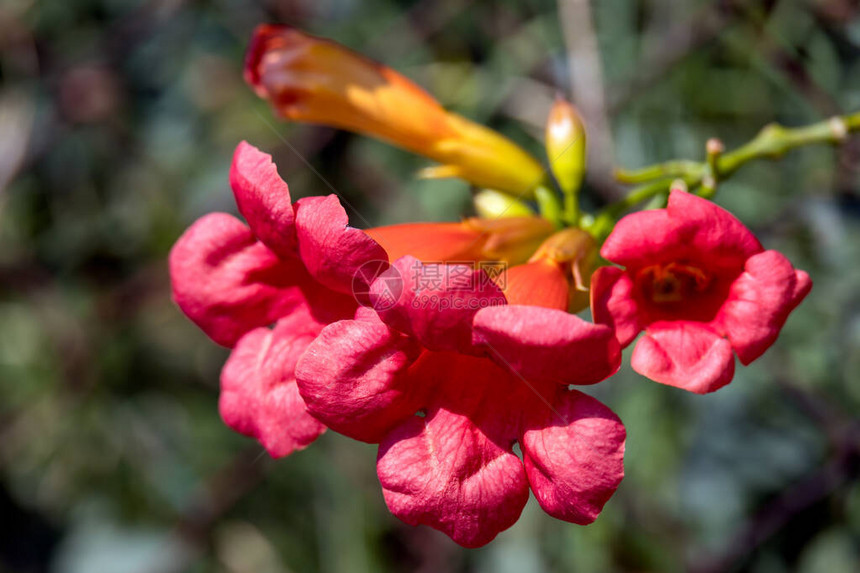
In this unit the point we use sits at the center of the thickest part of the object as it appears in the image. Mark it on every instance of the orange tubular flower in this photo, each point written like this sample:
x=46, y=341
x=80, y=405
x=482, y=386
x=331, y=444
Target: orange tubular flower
x=541, y=282
x=511, y=240
x=314, y=80
x=557, y=275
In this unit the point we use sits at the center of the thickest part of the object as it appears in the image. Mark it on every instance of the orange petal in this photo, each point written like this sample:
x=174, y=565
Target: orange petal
x=574, y=251
x=538, y=283
x=429, y=242
x=511, y=240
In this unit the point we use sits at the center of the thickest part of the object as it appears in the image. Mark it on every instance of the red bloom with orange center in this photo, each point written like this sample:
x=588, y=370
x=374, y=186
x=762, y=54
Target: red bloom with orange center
x=702, y=288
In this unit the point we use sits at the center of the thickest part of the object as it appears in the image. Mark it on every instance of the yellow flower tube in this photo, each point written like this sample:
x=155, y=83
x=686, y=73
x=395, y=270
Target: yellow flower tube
x=315, y=80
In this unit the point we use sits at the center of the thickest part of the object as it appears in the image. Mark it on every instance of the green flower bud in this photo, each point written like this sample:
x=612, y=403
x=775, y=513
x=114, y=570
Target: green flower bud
x=565, y=145
x=492, y=204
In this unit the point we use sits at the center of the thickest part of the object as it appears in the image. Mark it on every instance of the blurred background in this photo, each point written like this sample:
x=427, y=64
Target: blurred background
x=118, y=119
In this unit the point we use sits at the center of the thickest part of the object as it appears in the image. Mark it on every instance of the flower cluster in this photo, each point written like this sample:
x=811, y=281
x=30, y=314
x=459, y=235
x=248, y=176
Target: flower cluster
x=453, y=344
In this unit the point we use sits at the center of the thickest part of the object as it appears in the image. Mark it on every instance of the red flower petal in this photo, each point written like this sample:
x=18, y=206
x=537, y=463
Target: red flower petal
x=263, y=199
x=613, y=303
x=684, y=354
x=689, y=228
x=759, y=303
x=442, y=471
x=228, y=283
x=491, y=396
x=436, y=302
x=259, y=396
x=353, y=378
x=547, y=344
x=574, y=456
x=802, y=286
x=332, y=251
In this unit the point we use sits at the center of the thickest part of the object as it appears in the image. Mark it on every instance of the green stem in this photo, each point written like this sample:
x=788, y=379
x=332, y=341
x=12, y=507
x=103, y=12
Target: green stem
x=571, y=209
x=772, y=142
x=549, y=206
x=713, y=150
x=604, y=221
x=677, y=168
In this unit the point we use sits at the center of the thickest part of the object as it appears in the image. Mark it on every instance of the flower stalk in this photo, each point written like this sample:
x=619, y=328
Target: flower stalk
x=549, y=206
x=713, y=150
x=772, y=142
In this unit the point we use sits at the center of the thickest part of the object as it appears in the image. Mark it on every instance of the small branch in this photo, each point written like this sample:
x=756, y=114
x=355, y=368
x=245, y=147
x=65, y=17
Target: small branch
x=713, y=150
x=678, y=168
x=604, y=221
x=772, y=142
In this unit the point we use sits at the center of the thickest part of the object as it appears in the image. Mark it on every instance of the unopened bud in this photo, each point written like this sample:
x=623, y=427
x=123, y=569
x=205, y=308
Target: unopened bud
x=492, y=204
x=566, y=145
x=714, y=146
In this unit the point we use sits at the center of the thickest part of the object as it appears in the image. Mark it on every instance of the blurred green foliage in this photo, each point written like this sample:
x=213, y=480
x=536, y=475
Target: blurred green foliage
x=117, y=122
